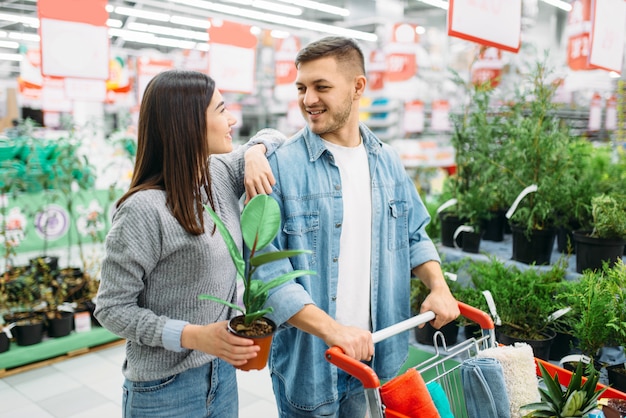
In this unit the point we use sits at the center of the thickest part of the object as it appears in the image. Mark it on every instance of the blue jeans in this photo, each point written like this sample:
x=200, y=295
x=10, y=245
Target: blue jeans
x=206, y=391
x=351, y=402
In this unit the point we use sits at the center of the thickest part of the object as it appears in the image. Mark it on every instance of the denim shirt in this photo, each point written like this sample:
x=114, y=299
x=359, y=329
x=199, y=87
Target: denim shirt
x=308, y=190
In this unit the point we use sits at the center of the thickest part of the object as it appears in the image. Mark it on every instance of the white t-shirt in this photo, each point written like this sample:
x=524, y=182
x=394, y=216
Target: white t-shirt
x=353, y=284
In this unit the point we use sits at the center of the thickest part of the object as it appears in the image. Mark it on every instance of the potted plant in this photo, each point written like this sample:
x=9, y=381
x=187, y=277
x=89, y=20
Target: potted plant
x=260, y=223
x=474, y=185
x=536, y=143
x=598, y=302
x=577, y=400
x=605, y=242
x=524, y=299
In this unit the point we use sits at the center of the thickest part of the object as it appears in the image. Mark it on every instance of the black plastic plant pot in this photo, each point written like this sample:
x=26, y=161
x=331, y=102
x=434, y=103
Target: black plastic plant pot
x=536, y=248
x=541, y=347
x=61, y=326
x=4, y=342
x=449, y=224
x=28, y=332
x=592, y=252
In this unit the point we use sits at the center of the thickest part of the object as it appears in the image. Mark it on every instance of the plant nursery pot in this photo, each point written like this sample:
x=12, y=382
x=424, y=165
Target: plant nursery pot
x=562, y=345
x=537, y=248
x=565, y=241
x=541, y=348
x=28, y=332
x=4, y=342
x=425, y=334
x=617, y=376
x=591, y=252
x=51, y=261
x=469, y=242
x=494, y=226
x=449, y=224
x=60, y=326
x=615, y=408
x=264, y=342
x=472, y=331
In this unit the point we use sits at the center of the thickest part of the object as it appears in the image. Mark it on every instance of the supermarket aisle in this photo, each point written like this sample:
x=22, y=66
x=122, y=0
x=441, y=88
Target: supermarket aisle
x=88, y=386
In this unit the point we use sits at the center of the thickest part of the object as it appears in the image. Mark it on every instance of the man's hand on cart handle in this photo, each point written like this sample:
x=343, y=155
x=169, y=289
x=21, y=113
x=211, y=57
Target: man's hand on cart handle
x=443, y=304
x=355, y=342
x=440, y=299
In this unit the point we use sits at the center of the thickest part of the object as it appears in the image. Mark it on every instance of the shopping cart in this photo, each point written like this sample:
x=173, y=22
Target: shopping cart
x=442, y=366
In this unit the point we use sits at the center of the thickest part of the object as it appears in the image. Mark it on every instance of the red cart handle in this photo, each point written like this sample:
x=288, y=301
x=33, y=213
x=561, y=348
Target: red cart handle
x=365, y=374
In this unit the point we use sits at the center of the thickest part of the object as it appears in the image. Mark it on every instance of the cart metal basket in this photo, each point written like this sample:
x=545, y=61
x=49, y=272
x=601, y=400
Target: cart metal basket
x=441, y=366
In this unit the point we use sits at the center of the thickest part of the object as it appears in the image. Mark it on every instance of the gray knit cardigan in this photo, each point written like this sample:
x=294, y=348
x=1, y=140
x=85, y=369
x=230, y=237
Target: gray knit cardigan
x=154, y=270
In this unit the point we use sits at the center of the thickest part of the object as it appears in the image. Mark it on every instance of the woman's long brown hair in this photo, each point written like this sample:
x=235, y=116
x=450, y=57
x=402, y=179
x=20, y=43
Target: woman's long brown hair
x=172, y=144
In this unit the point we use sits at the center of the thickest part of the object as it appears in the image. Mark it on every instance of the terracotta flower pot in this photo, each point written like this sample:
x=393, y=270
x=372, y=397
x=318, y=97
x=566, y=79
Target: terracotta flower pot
x=263, y=341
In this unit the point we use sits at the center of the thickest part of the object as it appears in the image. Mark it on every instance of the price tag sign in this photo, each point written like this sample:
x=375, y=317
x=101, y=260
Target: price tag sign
x=595, y=113
x=607, y=37
x=440, y=120
x=286, y=51
x=489, y=22
x=610, y=121
x=414, y=116
x=233, y=56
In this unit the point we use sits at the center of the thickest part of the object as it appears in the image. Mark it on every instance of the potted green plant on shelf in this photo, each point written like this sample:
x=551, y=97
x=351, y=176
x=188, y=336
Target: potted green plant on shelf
x=598, y=303
x=606, y=241
x=524, y=300
x=536, y=143
x=260, y=223
x=474, y=185
x=576, y=400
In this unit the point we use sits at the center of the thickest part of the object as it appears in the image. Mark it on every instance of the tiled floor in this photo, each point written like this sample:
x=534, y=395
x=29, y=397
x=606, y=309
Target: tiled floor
x=89, y=386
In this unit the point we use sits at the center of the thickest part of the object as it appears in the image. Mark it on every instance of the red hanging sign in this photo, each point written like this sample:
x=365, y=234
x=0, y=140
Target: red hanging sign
x=578, y=30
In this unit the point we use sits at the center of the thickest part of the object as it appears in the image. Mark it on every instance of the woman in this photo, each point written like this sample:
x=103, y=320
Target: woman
x=163, y=251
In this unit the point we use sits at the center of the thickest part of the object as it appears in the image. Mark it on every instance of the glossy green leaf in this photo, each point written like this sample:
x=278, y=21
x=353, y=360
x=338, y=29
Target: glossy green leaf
x=285, y=278
x=260, y=221
x=261, y=259
x=222, y=301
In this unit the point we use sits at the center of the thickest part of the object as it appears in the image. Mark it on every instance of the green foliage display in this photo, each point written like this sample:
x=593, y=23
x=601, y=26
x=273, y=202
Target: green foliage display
x=260, y=222
x=576, y=400
x=525, y=299
x=477, y=140
x=609, y=216
x=598, y=302
x=537, y=146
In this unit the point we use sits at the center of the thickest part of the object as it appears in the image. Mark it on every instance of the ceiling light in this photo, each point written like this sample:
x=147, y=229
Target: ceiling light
x=436, y=3
x=420, y=30
x=11, y=57
x=274, y=7
x=33, y=37
x=267, y=5
x=164, y=30
x=560, y=4
x=148, y=38
x=30, y=21
x=279, y=34
x=189, y=21
x=314, y=5
x=9, y=44
x=114, y=23
x=281, y=20
x=144, y=14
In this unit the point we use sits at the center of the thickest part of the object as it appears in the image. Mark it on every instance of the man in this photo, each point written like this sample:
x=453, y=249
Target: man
x=345, y=196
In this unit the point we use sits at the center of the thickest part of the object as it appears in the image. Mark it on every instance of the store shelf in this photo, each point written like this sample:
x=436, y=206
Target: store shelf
x=75, y=343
